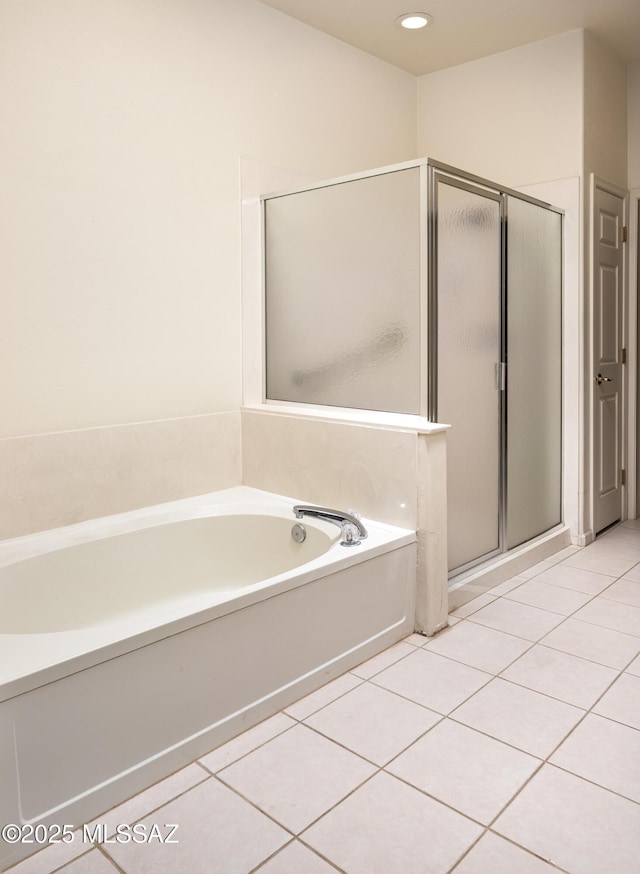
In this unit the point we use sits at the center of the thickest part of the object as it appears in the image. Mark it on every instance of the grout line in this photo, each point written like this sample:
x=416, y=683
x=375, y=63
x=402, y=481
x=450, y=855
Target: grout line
x=113, y=862
x=211, y=773
x=274, y=855
x=255, y=806
x=530, y=852
x=52, y=870
x=395, y=755
x=593, y=782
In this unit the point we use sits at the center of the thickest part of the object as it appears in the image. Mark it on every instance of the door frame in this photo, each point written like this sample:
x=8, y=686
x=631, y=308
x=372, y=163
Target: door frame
x=632, y=353
x=441, y=174
x=627, y=406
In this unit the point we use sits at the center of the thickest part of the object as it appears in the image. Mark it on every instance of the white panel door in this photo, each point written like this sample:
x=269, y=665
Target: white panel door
x=607, y=358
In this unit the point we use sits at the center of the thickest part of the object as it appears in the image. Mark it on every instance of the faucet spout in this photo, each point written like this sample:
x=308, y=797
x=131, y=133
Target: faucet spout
x=348, y=522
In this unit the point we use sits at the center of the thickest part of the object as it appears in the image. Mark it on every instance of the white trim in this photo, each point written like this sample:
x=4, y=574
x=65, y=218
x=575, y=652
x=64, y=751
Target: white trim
x=632, y=354
x=344, y=415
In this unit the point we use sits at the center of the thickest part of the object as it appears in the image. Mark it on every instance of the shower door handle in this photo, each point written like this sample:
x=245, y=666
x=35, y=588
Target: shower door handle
x=600, y=379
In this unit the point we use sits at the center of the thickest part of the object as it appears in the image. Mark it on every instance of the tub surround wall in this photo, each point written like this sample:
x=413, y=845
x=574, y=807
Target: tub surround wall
x=432, y=593
x=332, y=463
x=391, y=468
x=57, y=479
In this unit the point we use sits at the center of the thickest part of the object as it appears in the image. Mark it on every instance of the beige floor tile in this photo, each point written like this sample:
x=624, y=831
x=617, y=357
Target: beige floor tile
x=567, y=552
x=431, y=680
x=548, y=597
x=323, y=696
x=624, y=553
x=246, y=742
x=621, y=544
x=297, y=777
x=591, y=642
x=373, y=722
x=378, y=663
x=604, y=752
x=580, y=827
x=507, y=586
x=296, y=859
x=634, y=667
x=575, y=578
x=387, y=826
x=536, y=569
x=469, y=771
x=416, y=639
x=478, y=646
x=53, y=856
x=218, y=833
x=624, y=591
x=622, y=701
x=91, y=863
x=601, y=561
x=531, y=623
x=518, y=716
x=634, y=573
x=473, y=606
x=561, y=675
x=160, y=793
x=611, y=614
x=493, y=855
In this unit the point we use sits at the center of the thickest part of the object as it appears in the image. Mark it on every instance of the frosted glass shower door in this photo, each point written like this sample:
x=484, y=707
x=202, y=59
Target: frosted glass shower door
x=534, y=370
x=342, y=294
x=468, y=315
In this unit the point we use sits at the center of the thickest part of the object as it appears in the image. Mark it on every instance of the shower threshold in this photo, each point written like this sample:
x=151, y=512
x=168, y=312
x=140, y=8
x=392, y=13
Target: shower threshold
x=470, y=583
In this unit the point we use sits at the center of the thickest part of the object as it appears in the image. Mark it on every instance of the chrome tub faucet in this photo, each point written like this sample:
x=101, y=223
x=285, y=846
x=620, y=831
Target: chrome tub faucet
x=353, y=531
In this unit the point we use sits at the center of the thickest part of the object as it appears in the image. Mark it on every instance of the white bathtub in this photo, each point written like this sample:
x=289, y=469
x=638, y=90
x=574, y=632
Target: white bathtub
x=132, y=644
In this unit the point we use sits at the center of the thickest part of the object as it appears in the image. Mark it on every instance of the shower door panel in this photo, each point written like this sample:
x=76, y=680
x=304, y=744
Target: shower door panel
x=534, y=371
x=469, y=340
x=342, y=294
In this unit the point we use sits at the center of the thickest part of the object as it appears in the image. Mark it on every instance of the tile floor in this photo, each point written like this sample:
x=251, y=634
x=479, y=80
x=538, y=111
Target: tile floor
x=508, y=744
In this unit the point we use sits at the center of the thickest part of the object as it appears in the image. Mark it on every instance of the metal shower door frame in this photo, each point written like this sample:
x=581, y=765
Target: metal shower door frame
x=439, y=172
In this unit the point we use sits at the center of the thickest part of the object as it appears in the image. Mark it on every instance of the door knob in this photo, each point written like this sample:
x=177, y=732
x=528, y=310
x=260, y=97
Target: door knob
x=600, y=379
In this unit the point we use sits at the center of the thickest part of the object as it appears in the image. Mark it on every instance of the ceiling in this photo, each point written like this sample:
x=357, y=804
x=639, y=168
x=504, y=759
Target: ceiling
x=463, y=30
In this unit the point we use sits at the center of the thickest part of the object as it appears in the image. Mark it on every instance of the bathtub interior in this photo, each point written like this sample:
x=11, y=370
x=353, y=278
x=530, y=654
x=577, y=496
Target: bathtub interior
x=141, y=702
x=184, y=564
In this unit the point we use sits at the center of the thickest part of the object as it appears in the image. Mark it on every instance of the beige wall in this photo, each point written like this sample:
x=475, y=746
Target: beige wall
x=605, y=113
x=57, y=479
x=633, y=125
x=514, y=117
x=123, y=126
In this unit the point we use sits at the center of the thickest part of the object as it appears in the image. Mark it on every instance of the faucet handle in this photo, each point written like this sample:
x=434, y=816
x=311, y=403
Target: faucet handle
x=349, y=535
x=354, y=513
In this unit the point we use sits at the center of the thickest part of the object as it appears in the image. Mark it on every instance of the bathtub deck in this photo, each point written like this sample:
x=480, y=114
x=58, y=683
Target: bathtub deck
x=420, y=754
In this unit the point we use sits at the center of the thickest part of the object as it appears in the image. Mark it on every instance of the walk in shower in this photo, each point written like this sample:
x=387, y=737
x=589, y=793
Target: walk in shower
x=425, y=290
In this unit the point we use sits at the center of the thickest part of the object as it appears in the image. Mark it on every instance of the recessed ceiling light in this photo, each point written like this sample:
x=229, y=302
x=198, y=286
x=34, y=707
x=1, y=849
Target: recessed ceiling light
x=414, y=20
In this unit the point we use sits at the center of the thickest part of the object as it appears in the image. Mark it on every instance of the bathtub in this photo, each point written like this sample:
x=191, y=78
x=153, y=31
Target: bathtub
x=132, y=644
